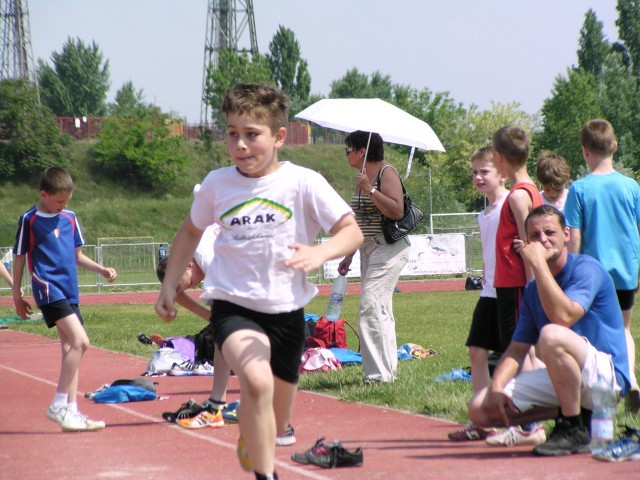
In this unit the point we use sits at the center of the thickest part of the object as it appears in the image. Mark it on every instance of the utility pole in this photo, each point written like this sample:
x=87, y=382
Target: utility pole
x=226, y=22
x=16, y=55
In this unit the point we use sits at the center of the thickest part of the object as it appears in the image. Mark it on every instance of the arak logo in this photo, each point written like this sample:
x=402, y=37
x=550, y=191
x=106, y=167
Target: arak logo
x=257, y=211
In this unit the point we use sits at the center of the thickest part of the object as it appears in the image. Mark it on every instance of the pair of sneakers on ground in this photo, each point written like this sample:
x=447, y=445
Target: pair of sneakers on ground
x=509, y=437
x=212, y=414
x=73, y=421
x=569, y=436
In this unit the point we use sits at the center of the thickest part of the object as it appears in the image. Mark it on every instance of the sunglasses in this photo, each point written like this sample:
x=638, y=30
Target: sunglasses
x=348, y=150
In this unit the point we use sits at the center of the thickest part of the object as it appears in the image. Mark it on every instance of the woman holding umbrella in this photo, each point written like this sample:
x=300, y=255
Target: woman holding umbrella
x=378, y=191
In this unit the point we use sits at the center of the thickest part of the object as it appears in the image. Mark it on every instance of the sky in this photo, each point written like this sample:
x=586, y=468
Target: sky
x=479, y=51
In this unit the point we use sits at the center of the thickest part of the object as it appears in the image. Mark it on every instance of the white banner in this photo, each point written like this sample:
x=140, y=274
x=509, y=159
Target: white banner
x=429, y=255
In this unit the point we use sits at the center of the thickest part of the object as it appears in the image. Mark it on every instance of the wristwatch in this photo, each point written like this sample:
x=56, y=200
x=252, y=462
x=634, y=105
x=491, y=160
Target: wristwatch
x=373, y=190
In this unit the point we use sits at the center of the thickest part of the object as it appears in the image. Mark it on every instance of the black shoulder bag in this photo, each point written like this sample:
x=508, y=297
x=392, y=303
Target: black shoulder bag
x=395, y=230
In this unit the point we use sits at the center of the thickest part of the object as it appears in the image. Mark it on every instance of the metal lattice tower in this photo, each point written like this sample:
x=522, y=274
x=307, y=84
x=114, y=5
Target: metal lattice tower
x=15, y=41
x=227, y=20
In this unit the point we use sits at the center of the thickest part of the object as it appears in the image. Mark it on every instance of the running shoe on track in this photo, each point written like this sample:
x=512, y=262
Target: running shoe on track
x=515, y=435
x=627, y=447
x=209, y=417
x=329, y=455
x=471, y=433
x=186, y=410
x=71, y=421
x=287, y=438
x=229, y=413
x=243, y=456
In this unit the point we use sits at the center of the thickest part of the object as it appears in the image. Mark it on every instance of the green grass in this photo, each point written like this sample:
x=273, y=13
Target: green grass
x=438, y=320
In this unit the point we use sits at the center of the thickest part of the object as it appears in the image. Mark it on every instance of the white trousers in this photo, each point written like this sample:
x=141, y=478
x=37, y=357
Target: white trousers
x=380, y=267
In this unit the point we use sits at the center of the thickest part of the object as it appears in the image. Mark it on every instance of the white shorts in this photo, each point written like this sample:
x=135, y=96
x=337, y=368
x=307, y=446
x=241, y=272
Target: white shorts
x=534, y=388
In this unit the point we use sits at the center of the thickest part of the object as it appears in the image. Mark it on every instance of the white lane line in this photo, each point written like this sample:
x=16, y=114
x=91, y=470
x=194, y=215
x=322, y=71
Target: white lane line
x=191, y=433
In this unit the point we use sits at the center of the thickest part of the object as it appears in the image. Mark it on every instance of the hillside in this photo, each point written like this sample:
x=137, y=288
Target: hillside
x=108, y=209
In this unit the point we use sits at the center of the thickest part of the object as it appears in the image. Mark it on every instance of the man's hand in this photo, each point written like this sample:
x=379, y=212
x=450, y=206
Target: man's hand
x=533, y=252
x=497, y=404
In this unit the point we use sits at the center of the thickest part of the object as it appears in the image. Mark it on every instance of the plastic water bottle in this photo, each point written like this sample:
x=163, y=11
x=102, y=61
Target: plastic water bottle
x=162, y=252
x=603, y=416
x=335, y=300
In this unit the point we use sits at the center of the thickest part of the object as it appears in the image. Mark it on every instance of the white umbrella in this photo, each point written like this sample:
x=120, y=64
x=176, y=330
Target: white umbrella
x=373, y=115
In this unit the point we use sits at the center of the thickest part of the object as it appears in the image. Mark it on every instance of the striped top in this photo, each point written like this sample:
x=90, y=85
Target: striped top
x=367, y=214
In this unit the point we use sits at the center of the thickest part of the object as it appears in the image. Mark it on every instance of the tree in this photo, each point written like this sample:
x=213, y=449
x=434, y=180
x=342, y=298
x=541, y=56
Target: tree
x=628, y=24
x=289, y=71
x=127, y=100
x=30, y=139
x=232, y=68
x=574, y=101
x=78, y=82
x=139, y=149
x=357, y=85
x=593, y=46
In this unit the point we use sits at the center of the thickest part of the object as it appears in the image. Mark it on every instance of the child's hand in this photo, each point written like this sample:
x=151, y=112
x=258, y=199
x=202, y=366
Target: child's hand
x=306, y=258
x=110, y=274
x=165, y=306
x=23, y=308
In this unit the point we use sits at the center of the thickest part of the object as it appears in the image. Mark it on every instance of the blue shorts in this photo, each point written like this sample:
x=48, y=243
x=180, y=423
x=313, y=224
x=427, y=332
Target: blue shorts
x=285, y=332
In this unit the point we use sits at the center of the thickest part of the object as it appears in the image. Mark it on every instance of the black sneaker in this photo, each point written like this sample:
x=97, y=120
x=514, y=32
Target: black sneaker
x=329, y=455
x=565, y=439
x=142, y=338
x=187, y=410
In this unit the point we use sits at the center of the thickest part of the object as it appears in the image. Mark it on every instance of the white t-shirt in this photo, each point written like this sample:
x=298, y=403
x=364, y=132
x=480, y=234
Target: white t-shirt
x=488, y=225
x=259, y=219
x=204, y=251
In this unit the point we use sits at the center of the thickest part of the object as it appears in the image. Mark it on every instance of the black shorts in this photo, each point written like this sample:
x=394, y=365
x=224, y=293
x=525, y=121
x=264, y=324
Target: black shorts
x=484, y=331
x=285, y=332
x=508, y=299
x=626, y=298
x=54, y=311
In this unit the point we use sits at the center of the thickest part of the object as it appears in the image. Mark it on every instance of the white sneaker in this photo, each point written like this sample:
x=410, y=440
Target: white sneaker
x=75, y=422
x=57, y=415
x=513, y=436
x=204, y=368
x=287, y=438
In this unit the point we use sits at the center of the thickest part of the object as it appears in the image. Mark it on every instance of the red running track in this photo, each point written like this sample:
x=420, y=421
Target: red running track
x=151, y=297
x=139, y=444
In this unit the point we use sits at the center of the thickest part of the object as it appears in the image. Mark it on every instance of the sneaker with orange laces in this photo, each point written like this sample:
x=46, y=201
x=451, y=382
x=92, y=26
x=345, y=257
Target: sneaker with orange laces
x=209, y=417
x=471, y=433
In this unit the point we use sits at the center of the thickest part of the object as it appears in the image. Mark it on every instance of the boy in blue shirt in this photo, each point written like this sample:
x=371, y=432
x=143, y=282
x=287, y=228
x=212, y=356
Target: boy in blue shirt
x=49, y=237
x=603, y=215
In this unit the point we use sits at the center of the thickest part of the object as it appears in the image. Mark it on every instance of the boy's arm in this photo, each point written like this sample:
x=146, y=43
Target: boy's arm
x=194, y=307
x=182, y=249
x=22, y=306
x=85, y=262
x=575, y=240
x=520, y=205
x=346, y=238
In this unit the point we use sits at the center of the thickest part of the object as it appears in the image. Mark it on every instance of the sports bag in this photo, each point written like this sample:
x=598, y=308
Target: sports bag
x=395, y=230
x=330, y=334
x=162, y=361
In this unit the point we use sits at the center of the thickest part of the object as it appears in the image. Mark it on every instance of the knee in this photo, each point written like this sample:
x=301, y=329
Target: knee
x=475, y=410
x=258, y=385
x=550, y=339
x=477, y=355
